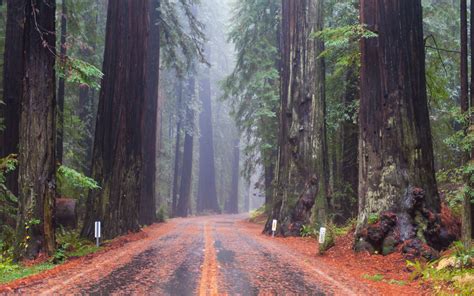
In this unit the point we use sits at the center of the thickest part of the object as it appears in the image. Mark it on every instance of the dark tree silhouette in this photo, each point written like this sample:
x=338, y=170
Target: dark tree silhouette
x=37, y=164
x=118, y=147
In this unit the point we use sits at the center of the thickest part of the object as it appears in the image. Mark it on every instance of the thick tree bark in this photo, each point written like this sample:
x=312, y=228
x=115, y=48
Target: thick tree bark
x=396, y=170
x=61, y=87
x=207, y=195
x=148, y=195
x=184, y=201
x=118, y=146
x=302, y=169
x=12, y=91
x=466, y=214
x=37, y=165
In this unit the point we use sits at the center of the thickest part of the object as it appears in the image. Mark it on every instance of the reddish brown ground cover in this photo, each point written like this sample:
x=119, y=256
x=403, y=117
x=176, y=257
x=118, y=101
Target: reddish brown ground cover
x=343, y=258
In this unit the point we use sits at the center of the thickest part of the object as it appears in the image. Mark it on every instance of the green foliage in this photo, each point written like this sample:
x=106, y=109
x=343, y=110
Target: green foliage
x=80, y=72
x=162, y=214
x=10, y=271
x=182, y=42
x=71, y=183
x=451, y=274
x=71, y=245
x=308, y=231
x=253, y=86
x=373, y=218
x=8, y=208
x=375, y=277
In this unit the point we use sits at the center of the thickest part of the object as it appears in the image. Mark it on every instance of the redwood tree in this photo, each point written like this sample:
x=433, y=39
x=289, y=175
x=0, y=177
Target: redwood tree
x=301, y=195
x=395, y=148
x=184, y=202
x=37, y=164
x=151, y=126
x=118, y=146
x=207, y=195
x=12, y=91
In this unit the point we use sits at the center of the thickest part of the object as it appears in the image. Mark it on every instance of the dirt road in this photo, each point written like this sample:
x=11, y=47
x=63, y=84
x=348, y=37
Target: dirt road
x=213, y=255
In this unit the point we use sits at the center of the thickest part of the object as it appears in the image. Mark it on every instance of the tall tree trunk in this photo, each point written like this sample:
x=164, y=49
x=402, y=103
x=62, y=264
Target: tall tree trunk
x=395, y=147
x=37, y=165
x=118, y=146
x=207, y=195
x=61, y=87
x=466, y=215
x=187, y=170
x=302, y=171
x=177, y=149
x=13, y=71
x=234, y=192
x=148, y=194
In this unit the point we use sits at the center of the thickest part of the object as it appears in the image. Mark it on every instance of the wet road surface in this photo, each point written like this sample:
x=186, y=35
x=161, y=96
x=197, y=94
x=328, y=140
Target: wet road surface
x=211, y=255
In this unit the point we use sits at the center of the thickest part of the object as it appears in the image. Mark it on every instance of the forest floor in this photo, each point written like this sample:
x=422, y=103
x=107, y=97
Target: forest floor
x=221, y=255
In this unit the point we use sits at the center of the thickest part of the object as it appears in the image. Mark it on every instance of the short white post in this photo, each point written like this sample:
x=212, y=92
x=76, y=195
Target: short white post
x=322, y=235
x=97, y=232
x=274, y=227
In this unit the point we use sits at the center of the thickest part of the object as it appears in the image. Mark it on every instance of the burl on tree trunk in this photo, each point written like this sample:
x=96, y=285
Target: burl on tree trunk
x=397, y=183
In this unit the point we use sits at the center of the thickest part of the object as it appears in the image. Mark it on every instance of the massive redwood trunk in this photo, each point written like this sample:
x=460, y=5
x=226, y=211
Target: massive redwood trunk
x=395, y=147
x=150, y=132
x=471, y=129
x=37, y=165
x=12, y=85
x=118, y=146
x=302, y=173
x=207, y=195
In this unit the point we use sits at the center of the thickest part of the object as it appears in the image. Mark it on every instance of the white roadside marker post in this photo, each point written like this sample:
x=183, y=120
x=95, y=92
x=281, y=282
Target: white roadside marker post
x=97, y=232
x=322, y=235
x=274, y=227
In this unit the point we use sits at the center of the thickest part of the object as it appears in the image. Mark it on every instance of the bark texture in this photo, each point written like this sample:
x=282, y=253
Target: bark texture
x=177, y=149
x=151, y=126
x=118, y=146
x=13, y=71
x=37, y=165
x=396, y=170
x=302, y=173
x=207, y=194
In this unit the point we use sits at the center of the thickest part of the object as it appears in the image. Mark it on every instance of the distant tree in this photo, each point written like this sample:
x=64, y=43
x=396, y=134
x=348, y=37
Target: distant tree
x=207, y=195
x=37, y=163
x=118, y=146
x=13, y=71
x=184, y=202
x=253, y=86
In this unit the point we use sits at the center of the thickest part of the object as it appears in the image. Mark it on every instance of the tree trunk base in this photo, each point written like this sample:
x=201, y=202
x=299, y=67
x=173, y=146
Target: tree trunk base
x=415, y=230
